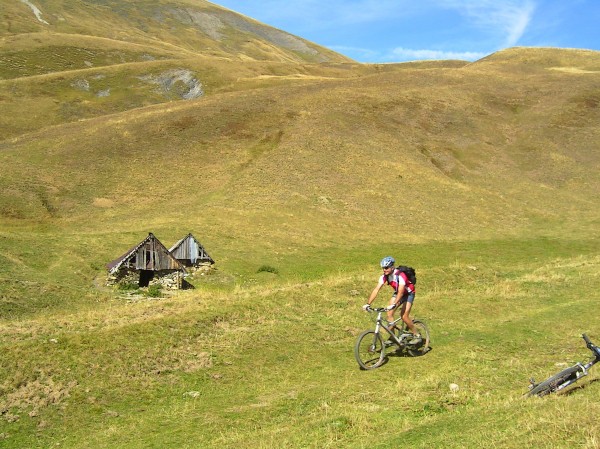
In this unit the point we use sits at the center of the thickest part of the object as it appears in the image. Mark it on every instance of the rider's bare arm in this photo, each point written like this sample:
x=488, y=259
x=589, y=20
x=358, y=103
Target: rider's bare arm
x=374, y=294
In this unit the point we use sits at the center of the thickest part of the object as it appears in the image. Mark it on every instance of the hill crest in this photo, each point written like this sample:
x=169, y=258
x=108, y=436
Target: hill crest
x=199, y=27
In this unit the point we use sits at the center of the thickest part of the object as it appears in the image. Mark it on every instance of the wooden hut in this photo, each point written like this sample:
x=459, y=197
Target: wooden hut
x=147, y=262
x=190, y=252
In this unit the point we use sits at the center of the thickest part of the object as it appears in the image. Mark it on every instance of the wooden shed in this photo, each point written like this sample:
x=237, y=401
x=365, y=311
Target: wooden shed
x=190, y=252
x=147, y=262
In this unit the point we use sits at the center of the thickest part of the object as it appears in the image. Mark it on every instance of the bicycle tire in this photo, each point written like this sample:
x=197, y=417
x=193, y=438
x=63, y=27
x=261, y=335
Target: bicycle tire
x=551, y=384
x=369, y=350
x=424, y=346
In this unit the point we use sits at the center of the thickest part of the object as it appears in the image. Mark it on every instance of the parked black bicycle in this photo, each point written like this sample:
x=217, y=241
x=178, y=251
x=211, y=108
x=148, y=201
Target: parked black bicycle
x=566, y=377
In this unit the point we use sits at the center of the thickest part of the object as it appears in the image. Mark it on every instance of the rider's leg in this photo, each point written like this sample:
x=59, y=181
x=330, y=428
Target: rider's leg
x=390, y=313
x=405, y=313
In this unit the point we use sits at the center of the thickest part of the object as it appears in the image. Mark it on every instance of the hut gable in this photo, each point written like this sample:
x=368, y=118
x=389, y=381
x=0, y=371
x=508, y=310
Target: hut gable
x=190, y=252
x=150, y=254
x=147, y=262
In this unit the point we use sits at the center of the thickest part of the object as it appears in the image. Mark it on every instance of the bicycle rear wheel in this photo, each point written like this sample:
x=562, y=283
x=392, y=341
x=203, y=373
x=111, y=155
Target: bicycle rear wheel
x=423, y=347
x=369, y=350
x=552, y=384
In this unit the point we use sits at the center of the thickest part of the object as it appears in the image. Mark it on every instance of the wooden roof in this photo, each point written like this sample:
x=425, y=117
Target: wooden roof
x=189, y=248
x=149, y=254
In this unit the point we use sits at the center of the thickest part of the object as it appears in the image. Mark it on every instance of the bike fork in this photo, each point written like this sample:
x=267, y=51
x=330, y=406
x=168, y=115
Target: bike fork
x=375, y=337
x=583, y=372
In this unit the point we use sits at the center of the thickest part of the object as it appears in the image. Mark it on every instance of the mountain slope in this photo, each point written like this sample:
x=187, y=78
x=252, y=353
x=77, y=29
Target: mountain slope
x=273, y=160
x=469, y=154
x=197, y=27
x=69, y=60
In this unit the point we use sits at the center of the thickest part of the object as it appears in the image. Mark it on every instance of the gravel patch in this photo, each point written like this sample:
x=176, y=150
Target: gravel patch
x=177, y=82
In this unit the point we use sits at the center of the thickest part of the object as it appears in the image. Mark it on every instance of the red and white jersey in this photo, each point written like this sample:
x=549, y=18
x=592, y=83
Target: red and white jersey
x=398, y=281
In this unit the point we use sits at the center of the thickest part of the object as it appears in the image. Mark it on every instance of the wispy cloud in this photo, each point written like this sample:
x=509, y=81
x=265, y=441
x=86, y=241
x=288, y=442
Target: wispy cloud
x=503, y=21
x=404, y=54
x=400, y=54
x=508, y=19
x=487, y=25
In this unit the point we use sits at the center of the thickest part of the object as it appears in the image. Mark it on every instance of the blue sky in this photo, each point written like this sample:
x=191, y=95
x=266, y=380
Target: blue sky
x=408, y=30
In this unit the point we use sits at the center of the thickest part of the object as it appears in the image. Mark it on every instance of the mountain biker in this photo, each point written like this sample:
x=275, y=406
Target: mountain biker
x=404, y=295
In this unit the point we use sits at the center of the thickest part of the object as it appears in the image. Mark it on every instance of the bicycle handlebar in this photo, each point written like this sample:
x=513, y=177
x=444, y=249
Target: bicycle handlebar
x=380, y=309
x=591, y=346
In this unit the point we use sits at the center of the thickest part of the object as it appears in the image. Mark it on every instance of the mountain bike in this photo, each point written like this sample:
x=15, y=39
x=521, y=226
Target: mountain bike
x=370, y=348
x=566, y=377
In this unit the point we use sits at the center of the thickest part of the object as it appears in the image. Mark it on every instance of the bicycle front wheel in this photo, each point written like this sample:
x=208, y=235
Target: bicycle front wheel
x=369, y=350
x=553, y=383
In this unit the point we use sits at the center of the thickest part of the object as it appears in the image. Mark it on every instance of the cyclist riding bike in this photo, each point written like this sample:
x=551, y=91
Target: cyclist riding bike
x=403, y=297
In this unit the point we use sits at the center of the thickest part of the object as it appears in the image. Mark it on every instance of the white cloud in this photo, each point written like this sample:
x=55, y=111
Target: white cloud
x=497, y=24
x=507, y=18
x=409, y=54
x=504, y=21
x=400, y=54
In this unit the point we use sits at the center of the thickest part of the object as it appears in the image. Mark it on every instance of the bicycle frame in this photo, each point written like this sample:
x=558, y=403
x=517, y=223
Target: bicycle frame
x=568, y=376
x=583, y=368
x=380, y=323
x=581, y=372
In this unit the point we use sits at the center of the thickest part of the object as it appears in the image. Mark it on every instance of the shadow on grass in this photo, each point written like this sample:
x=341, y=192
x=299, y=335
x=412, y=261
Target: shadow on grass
x=403, y=353
x=569, y=391
x=410, y=353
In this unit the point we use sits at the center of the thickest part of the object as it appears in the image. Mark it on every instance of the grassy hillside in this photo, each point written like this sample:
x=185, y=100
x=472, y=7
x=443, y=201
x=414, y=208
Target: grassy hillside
x=260, y=366
x=193, y=26
x=67, y=61
x=123, y=118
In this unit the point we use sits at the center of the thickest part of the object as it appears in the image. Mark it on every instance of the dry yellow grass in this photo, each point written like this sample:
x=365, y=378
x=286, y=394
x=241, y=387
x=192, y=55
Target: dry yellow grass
x=482, y=175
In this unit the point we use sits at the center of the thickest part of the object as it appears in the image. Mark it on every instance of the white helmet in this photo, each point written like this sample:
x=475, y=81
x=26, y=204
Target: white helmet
x=387, y=262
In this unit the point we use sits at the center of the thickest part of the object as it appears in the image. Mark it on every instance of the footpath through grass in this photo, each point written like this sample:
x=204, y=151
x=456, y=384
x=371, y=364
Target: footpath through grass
x=272, y=365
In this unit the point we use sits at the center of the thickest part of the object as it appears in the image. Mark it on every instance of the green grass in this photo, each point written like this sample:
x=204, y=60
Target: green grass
x=297, y=178
x=277, y=360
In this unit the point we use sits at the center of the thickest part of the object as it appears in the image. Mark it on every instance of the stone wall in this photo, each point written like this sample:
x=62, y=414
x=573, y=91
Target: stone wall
x=201, y=268
x=168, y=279
x=123, y=277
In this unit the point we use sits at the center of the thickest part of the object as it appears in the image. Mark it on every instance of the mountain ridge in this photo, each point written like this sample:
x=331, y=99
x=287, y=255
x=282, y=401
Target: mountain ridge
x=200, y=27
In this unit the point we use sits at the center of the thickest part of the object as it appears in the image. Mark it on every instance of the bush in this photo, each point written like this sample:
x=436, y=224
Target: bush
x=154, y=291
x=126, y=286
x=267, y=269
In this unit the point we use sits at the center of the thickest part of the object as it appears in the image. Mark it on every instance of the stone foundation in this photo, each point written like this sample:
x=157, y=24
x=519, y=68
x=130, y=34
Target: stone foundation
x=169, y=280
